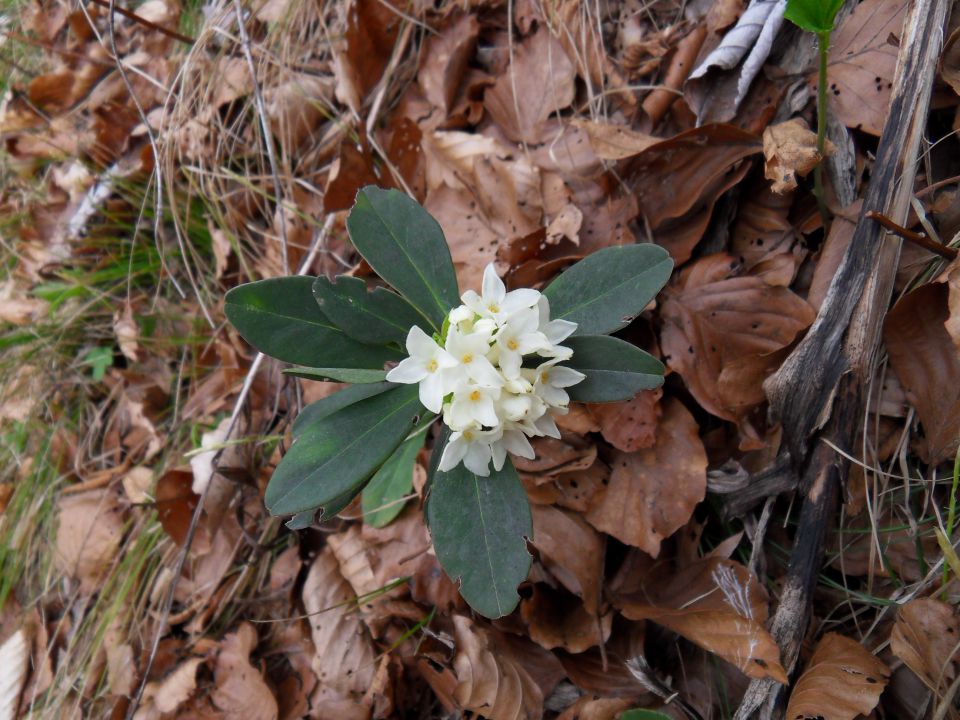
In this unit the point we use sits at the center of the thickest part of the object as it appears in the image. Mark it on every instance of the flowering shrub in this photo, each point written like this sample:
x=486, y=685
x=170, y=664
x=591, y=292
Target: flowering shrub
x=494, y=369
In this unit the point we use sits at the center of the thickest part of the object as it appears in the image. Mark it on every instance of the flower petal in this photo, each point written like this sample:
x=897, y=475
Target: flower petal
x=410, y=370
x=432, y=390
x=419, y=344
x=453, y=453
x=493, y=288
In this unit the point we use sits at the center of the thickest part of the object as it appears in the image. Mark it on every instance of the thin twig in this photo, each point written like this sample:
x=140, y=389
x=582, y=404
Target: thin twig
x=143, y=21
x=919, y=239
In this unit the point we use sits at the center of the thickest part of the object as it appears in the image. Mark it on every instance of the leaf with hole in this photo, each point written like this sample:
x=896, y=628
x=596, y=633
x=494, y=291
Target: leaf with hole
x=615, y=369
x=605, y=291
x=375, y=317
x=405, y=246
x=338, y=453
x=280, y=318
x=479, y=527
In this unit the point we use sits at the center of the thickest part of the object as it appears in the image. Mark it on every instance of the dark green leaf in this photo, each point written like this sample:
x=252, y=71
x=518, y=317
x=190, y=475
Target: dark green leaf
x=605, y=291
x=344, y=375
x=374, y=317
x=381, y=500
x=615, y=370
x=478, y=526
x=330, y=404
x=813, y=15
x=642, y=714
x=280, y=318
x=338, y=453
x=405, y=245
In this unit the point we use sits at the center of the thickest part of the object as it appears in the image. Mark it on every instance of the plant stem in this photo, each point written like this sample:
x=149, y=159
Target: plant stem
x=952, y=512
x=823, y=41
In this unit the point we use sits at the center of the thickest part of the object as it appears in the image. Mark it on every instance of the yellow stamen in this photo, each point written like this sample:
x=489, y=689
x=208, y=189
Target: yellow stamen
x=432, y=365
x=512, y=344
x=544, y=376
x=493, y=308
x=467, y=359
x=475, y=395
x=468, y=435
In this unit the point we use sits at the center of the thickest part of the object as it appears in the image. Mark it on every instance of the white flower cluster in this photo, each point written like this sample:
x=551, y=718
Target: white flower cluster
x=475, y=375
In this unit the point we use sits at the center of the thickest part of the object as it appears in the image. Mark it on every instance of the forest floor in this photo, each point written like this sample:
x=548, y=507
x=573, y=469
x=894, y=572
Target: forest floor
x=773, y=531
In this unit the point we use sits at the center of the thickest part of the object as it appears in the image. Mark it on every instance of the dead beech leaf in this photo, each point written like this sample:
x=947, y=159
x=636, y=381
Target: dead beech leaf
x=445, y=61
x=18, y=310
x=926, y=636
x=722, y=333
x=679, y=180
x=632, y=424
x=862, y=62
x=763, y=227
x=714, y=603
x=557, y=619
x=843, y=680
x=489, y=682
x=928, y=365
x=168, y=694
x=538, y=82
x=344, y=661
x=615, y=142
x=790, y=149
x=572, y=551
x=89, y=531
x=127, y=332
x=652, y=492
x=240, y=690
x=361, y=57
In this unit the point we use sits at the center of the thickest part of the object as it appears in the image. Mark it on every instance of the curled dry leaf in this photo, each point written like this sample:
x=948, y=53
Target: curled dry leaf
x=652, y=492
x=723, y=333
x=790, y=149
x=240, y=690
x=168, y=694
x=537, y=83
x=862, y=62
x=632, y=424
x=445, y=60
x=716, y=604
x=928, y=365
x=843, y=680
x=926, y=636
x=344, y=662
x=89, y=531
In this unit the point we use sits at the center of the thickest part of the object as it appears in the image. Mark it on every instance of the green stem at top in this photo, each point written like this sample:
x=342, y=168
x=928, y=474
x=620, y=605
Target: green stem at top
x=823, y=41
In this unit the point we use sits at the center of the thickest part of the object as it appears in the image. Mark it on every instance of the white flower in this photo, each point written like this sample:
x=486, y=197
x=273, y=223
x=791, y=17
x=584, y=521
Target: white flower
x=514, y=440
x=517, y=337
x=551, y=379
x=428, y=365
x=469, y=351
x=556, y=331
x=473, y=447
x=472, y=405
x=496, y=302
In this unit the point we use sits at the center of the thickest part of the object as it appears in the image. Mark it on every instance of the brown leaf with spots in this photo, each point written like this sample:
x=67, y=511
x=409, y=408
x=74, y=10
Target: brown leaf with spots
x=722, y=333
x=716, y=604
x=537, y=83
x=926, y=636
x=790, y=150
x=928, y=365
x=632, y=424
x=652, y=492
x=843, y=680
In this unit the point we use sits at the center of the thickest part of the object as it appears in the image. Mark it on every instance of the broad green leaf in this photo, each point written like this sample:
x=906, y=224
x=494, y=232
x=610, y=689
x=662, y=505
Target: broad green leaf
x=479, y=526
x=381, y=501
x=330, y=404
x=605, y=291
x=816, y=16
x=344, y=375
x=643, y=714
x=405, y=245
x=374, y=317
x=280, y=318
x=615, y=370
x=338, y=453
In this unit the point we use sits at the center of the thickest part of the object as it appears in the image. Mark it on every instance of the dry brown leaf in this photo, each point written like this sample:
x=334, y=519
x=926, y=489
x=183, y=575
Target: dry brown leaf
x=862, y=61
x=168, y=694
x=790, y=149
x=568, y=453
x=722, y=333
x=615, y=142
x=952, y=323
x=89, y=531
x=489, y=681
x=445, y=60
x=716, y=604
x=926, y=636
x=928, y=365
x=556, y=619
x=652, y=492
x=842, y=681
x=14, y=660
x=18, y=310
x=344, y=661
x=240, y=690
x=538, y=82
x=763, y=227
x=831, y=255
x=137, y=483
x=589, y=708
x=679, y=180
x=572, y=551
x=632, y=424
x=360, y=59
x=127, y=332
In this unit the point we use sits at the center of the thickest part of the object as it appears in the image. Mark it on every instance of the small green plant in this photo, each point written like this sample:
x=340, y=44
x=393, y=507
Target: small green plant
x=818, y=17
x=493, y=369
